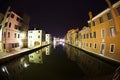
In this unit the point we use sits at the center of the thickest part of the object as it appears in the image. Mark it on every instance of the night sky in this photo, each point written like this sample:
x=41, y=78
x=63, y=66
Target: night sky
x=56, y=16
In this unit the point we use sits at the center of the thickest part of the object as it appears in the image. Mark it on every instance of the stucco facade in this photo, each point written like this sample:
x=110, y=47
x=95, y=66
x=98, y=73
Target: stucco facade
x=102, y=36
x=36, y=38
x=13, y=31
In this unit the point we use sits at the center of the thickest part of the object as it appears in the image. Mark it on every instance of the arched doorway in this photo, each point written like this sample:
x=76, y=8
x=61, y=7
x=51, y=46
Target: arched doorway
x=36, y=43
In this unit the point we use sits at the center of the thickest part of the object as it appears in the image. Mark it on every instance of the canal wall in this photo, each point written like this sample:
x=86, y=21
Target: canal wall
x=101, y=57
x=5, y=57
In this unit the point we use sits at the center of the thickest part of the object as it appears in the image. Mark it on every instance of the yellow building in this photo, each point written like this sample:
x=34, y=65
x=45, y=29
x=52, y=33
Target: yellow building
x=71, y=36
x=103, y=35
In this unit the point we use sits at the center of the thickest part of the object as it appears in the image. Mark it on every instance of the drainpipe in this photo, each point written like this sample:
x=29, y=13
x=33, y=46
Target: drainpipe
x=115, y=19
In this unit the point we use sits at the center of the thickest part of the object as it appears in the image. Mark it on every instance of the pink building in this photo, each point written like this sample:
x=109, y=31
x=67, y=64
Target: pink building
x=13, y=32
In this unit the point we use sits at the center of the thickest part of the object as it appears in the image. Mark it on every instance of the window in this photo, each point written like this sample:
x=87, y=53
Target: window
x=15, y=44
x=90, y=45
x=118, y=10
x=16, y=27
x=101, y=19
x=84, y=36
x=94, y=34
x=90, y=35
x=8, y=34
x=31, y=56
x=109, y=16
x=112, y=32
x=15, y=35
x=87, y=36
x=38, y=31
x=4, y=34
x=8, y=15
x=6, y=24
x=95, y=46
x=18, y=35
x=12, y=15
x=112, y=48
x=17, y=19
x=9, y=24
x=12, y=45
x=103, y=33
x=4, y=46
x=39, y=36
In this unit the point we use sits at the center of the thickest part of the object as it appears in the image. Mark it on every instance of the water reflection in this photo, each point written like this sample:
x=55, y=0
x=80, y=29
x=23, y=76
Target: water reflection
x=14, y=69
x=57, y=66
x=48, y=50
x=92, y=67
x=36, y=57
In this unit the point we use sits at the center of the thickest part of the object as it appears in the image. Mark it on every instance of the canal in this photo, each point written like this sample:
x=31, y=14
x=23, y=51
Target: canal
x=58, y=62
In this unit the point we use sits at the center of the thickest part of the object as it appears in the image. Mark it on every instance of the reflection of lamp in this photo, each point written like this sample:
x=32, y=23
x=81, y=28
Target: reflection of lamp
x=4, y=69
x=26, y=65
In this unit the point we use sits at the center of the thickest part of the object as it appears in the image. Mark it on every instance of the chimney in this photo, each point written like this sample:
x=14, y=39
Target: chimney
x=90, y=16
x=34, y=28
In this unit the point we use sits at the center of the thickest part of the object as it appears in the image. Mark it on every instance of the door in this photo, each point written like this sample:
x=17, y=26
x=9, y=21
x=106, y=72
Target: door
x=102, y=48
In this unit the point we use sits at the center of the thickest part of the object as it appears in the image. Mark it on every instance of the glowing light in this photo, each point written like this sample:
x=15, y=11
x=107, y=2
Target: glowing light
x=22, y=35
x=3, y=69
x=26, y=65
x=20, y=43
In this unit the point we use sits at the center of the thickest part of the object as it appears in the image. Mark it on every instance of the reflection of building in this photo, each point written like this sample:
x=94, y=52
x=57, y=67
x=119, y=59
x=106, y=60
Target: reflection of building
x=36, y=38
x=89, y=65
x=36, y=57
x=48, y=48
x=14, y=69
x=103, y=34
x=48, y=38
x=14, y=28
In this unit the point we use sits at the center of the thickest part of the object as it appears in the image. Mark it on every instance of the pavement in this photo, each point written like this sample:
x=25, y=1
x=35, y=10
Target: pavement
x=5, y=56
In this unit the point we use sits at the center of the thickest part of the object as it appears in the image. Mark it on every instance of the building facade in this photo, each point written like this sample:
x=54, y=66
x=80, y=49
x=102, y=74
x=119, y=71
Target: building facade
x=48, y=38
x=36, y=38
x=102, y=36
x=12, y=32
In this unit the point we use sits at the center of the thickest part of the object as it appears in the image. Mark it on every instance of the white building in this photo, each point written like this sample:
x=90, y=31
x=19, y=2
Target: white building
x=48, y=38
x=36, y=38
x=48, y=50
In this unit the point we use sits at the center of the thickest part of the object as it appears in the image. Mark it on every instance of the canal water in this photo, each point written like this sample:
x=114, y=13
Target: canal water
x=58, y=62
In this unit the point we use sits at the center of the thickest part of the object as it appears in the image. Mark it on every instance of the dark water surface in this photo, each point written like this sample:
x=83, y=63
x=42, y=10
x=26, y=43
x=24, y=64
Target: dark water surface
x=57, y=63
